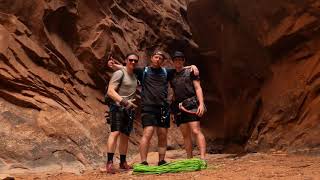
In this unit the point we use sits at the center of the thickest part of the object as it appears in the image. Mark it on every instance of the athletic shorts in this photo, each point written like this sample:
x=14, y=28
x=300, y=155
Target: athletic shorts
x=182, y=117
x=121, y=120
x=158, y=116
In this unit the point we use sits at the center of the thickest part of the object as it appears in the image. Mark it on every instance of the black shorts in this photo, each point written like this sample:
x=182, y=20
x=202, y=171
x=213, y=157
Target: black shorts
x=182, y=117
x=121, y=120
x=158, y=116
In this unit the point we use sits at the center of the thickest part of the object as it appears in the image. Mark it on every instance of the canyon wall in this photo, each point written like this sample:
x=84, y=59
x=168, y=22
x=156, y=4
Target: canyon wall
x=53, y=74
x=262, y=58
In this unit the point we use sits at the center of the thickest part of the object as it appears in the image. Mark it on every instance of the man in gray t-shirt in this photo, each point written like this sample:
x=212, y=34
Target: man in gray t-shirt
x=127, y=81
x=122, y=90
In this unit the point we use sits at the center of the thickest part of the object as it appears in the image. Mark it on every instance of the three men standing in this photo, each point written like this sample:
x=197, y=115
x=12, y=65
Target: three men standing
x=155, y=113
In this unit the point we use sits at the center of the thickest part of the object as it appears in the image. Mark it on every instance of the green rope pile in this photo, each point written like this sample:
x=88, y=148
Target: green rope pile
x=186, y=165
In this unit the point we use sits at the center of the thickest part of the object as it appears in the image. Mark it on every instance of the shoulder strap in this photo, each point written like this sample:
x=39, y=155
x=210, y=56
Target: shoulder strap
x=145, y=71
x=107, y=99
x=120, y=83
x=165, y=72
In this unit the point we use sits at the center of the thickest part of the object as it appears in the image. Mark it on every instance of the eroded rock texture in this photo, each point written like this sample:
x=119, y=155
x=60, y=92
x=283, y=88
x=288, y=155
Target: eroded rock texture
x=263, y=60
x=52, y=74
x=259, y=63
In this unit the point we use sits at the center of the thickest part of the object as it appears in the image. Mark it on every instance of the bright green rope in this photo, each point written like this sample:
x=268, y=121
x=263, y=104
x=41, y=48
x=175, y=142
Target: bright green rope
x=173, y=167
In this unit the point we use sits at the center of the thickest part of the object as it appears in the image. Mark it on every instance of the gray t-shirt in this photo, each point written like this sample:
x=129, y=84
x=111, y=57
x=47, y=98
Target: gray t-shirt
x=128, y=86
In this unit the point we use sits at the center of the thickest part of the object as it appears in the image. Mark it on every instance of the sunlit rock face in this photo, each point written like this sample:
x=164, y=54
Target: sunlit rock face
x=260, y=61
x=53, y=74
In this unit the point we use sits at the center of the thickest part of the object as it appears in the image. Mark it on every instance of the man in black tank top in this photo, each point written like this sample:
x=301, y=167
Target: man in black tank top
x=188, y=105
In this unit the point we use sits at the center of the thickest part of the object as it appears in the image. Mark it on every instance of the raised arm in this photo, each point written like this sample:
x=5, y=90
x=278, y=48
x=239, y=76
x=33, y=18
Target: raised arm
x=114, y=64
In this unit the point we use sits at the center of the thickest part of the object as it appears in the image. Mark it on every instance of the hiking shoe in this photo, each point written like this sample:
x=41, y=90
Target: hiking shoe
x=144, y=163
x=161, y=162
x=109, y=167
x=125, y=166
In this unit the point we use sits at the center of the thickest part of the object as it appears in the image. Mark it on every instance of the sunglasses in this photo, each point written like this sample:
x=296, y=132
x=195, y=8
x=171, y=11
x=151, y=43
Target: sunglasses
x=133, y=60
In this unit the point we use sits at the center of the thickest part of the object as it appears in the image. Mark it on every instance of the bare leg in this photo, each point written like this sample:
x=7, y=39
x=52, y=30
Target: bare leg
x=145, y=142
x=112, y=141
x=162, y=142
x=186, y=133
x=201, y=141
x=123, y=144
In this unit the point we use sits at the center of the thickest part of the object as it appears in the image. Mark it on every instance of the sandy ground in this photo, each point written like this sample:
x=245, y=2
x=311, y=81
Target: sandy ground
x=220, y=166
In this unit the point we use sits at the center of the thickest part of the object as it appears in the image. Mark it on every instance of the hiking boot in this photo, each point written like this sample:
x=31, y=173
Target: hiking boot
x=144, y=163
x=125, y=166
x=161, y=162
x=109, y=167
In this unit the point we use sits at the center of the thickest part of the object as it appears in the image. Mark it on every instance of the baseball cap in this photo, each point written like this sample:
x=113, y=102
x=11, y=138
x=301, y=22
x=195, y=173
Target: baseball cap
x=178, y=54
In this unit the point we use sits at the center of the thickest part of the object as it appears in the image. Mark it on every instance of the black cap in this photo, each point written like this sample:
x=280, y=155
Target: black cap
x=178, y=54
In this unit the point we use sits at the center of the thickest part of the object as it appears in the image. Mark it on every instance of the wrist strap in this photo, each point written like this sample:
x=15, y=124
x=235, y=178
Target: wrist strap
x=124, y=102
